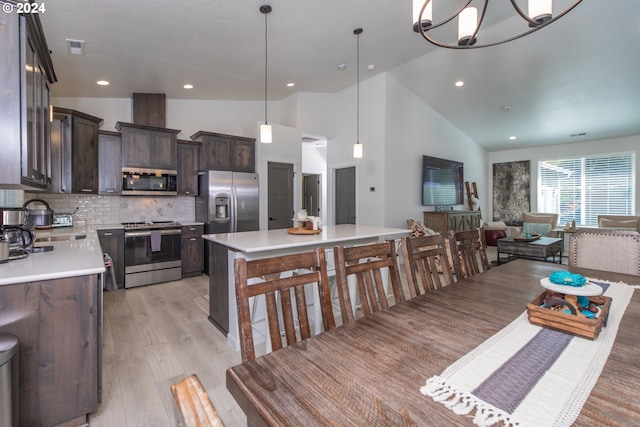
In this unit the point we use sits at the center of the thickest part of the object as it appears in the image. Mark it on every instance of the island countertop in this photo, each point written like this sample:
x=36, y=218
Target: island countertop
x=261, y=241
x=69, y=258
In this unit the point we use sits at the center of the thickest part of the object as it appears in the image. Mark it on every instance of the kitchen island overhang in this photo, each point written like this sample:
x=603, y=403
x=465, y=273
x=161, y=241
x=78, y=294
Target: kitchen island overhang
x=226, y=247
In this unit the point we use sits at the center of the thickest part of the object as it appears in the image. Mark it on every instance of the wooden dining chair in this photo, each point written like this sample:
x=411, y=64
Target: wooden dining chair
x=275, y=278
x=608, y=250
x=367, y=263
x=469, y=250
x=196, y=409
x=426, y=263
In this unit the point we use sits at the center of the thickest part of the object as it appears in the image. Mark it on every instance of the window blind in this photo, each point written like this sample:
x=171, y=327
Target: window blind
x=582, y=188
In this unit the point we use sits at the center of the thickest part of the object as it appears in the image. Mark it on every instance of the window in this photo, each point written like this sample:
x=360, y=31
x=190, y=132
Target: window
x=582, y=188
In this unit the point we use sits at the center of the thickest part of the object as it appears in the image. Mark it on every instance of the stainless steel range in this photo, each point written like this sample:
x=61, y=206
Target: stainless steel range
x=152, y=252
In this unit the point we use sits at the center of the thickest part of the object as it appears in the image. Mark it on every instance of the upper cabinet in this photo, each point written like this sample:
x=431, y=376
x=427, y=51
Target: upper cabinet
x=188, y=153
x=109, y=163
x=148, y=147
x=74, y=152
x=27, y=72
x=226, y=152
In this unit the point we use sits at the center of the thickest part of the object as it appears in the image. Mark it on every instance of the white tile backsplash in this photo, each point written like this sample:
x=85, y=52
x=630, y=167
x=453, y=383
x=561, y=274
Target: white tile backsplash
x=101, y=210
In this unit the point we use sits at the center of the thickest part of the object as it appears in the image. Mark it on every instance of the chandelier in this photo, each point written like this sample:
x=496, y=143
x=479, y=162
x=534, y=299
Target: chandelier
x=539, y=14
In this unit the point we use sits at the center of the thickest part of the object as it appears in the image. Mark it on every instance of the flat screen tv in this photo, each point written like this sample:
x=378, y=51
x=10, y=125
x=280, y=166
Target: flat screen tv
x=441, y=182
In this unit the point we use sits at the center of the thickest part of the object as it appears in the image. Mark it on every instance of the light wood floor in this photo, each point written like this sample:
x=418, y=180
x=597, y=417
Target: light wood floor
x=154, y=336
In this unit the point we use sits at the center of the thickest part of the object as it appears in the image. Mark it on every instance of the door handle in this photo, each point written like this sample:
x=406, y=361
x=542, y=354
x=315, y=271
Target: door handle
x=271, y=219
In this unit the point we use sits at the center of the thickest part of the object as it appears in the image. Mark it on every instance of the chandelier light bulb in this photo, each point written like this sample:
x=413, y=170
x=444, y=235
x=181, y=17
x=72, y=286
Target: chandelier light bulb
x=427, y=16
x=467, y=24
x=540, y=10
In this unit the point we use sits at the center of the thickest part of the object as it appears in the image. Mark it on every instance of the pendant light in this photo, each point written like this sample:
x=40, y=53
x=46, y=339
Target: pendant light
x=265, y=129
x=357, y=147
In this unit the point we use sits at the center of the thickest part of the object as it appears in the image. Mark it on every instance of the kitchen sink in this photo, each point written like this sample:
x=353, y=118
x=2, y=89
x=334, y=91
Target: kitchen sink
x=68, y=237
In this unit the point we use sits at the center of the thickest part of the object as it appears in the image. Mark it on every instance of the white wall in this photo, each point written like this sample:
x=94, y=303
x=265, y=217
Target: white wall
x=602, y=146
x=414, y=129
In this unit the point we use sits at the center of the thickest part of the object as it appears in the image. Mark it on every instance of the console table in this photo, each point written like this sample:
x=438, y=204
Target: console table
x=452, y=220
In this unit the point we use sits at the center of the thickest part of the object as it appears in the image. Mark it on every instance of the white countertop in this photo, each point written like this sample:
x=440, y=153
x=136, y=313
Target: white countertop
x=259, y=241
x=68, y=258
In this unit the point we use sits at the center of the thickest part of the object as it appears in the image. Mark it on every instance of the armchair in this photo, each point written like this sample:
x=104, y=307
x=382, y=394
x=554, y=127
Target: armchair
x=539, y=223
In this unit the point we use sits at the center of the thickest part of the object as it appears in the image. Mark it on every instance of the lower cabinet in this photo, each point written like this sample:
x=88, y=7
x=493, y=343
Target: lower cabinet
x=112, y=243
x=192, y=250
x=57, y=323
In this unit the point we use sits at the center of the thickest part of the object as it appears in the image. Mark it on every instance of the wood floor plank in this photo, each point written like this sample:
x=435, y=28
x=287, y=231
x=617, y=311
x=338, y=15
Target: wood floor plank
x=154, y=336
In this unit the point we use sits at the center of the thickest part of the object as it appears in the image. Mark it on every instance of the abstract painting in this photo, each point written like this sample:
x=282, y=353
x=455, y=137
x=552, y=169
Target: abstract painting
x=511, y=191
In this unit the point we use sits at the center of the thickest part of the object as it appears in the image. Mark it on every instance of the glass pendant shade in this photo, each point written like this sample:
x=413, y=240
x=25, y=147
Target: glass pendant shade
x=427, y=16
x=357, y=150
x=540, y=10
x=467, y=24
x=265, y=134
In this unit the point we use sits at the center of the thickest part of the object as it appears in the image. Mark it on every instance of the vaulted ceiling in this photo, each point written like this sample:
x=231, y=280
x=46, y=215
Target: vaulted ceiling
x=579, y=76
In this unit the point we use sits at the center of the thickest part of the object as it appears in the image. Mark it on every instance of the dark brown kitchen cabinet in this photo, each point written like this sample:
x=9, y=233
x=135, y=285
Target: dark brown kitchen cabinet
x=27, y=72
x=58, y=324
x=109, y=163
x=188, y=152
x=226, y=152
x=192, y=250
x=74, y=152
x=148, y=147
x=112, y=243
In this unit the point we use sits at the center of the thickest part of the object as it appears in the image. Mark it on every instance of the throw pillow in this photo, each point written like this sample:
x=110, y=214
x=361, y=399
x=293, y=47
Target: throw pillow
x=419, y=229
x=536, y=228
x=627, y=224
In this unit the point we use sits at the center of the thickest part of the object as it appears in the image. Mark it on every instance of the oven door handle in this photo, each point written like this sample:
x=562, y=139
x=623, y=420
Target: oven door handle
x=148, y=233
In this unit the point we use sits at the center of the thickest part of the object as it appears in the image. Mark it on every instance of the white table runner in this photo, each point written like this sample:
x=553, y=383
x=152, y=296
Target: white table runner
x=559, y=394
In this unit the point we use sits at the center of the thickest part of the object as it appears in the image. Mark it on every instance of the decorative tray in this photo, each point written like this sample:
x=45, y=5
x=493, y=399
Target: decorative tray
x=523, y=238
x=298, y=230
x=587, y=290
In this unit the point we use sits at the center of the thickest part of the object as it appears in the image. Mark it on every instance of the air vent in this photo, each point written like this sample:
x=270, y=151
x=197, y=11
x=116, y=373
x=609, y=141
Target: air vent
x=578, y=134
x=75, y=47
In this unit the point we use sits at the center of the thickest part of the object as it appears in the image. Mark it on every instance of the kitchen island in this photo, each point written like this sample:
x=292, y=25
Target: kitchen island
x=224, y=248
x=52, y=302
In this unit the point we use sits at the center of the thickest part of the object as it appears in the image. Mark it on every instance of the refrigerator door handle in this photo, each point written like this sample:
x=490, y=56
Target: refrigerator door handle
x=234, y=211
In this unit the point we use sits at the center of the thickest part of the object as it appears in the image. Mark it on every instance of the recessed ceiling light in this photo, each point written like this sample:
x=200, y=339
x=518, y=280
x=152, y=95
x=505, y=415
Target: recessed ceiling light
x=188, y=86
x=342, y=67
x=505, y=108
x=459, y=83
x=512, y=137
x=371, y=67
x=102, y=83
x=292, y=84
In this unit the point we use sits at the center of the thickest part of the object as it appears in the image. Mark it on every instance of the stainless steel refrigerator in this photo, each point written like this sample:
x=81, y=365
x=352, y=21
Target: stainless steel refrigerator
x=227, y=202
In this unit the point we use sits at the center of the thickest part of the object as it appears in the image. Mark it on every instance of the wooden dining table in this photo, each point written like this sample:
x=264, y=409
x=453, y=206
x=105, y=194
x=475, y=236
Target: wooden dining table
x=369, y=373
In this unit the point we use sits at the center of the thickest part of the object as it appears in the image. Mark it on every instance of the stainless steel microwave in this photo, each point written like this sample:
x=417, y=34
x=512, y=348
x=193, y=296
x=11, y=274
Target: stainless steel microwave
x=149, y=182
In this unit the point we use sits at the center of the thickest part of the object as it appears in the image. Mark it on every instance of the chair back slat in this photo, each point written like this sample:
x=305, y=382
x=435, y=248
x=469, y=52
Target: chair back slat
x=366, y=264
x=426, y=263
x=194, y=404
x=470, y=250
x=286, y=311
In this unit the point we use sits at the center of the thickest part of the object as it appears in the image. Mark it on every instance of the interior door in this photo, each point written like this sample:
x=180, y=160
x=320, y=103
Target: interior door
x=311, y=193
x=346, y=196
x=280, y=189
